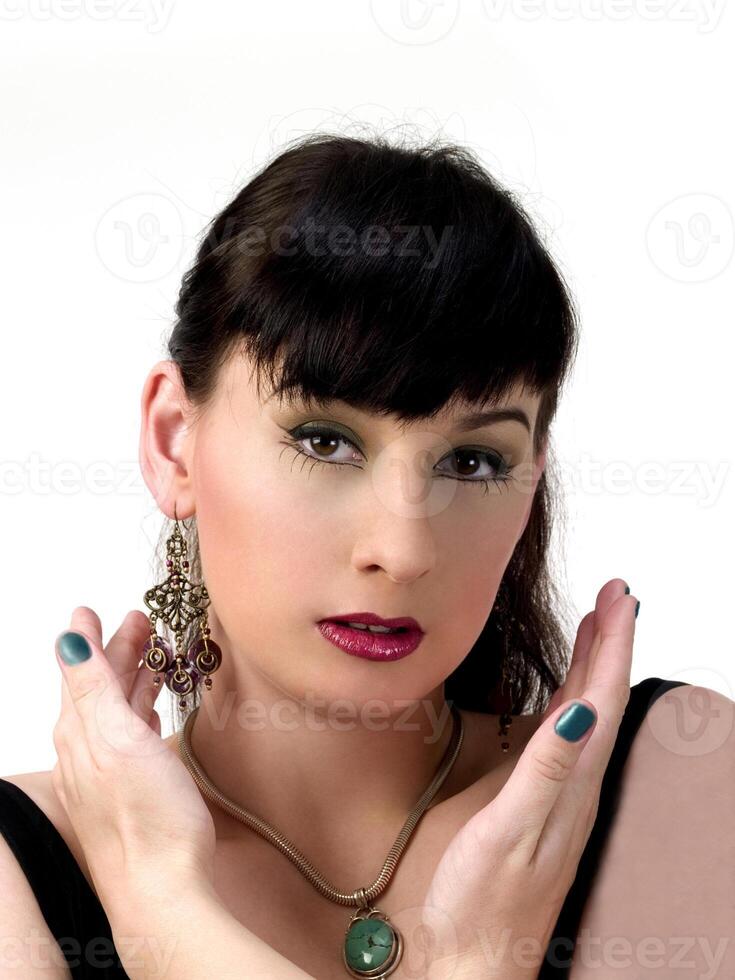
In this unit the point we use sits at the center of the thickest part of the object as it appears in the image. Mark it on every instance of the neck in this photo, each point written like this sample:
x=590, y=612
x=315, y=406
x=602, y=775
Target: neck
x=312, y=769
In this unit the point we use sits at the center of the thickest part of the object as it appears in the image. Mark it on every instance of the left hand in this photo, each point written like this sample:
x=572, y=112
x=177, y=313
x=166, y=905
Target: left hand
x=132, y=802
x=507, y=872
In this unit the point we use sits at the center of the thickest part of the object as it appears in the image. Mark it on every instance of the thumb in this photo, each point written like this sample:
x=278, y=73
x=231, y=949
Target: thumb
x=524, y=804
x=93, y=701
x=85, y=672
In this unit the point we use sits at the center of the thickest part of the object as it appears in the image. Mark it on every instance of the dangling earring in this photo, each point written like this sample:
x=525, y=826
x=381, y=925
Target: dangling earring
x=506, y=718
x=177, y=601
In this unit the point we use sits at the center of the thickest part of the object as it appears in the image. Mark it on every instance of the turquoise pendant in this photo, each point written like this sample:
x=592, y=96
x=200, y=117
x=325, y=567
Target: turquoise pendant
x=372, y=946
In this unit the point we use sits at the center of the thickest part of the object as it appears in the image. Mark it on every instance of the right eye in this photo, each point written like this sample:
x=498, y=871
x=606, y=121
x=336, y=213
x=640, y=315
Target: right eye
x=321, y=439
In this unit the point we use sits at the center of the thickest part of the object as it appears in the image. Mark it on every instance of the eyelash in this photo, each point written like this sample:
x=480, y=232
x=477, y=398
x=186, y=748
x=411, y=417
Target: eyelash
x=302, y=432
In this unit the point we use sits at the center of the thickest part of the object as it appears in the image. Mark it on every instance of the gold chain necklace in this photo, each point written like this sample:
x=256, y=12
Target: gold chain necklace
x=372, y=946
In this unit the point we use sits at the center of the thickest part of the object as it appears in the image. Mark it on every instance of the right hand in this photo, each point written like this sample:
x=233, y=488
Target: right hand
x=133, y=804
x=505, y=875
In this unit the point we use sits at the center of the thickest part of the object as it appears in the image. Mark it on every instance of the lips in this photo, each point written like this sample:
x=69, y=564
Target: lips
x=371, y=646
x=404, y=623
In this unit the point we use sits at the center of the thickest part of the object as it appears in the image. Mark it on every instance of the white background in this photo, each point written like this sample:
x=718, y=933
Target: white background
x=126, y=126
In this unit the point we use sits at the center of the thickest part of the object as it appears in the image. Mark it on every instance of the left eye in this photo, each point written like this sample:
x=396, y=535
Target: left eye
x=326, y=439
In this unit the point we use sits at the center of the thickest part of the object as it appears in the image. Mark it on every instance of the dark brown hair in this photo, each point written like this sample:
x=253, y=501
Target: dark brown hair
x=397, y=279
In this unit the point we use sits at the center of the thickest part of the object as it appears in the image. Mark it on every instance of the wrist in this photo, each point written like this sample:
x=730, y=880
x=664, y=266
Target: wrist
x=160, y=935
x=149, y=897
x=151, y=922
x=476, y=969
x=490, y=966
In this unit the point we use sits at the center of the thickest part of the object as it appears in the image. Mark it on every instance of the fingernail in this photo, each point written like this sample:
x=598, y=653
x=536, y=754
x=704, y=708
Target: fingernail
x=575, y=721
x=637, y=607
x=73, y=648
x=627, y=590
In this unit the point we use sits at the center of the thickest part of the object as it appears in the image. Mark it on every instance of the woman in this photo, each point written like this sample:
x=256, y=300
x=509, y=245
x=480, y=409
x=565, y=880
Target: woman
x=315, y=440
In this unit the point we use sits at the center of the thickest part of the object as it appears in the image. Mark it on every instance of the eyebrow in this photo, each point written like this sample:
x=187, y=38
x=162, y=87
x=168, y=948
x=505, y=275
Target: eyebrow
x=477, y=419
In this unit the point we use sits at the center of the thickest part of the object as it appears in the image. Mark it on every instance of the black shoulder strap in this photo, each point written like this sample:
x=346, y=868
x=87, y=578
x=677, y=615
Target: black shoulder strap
x=560, y=950
x=71, y=909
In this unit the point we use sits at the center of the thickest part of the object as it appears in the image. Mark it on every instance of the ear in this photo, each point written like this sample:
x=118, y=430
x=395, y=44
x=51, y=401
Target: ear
x=539, y=468
x=541, y=458
x=165, y=446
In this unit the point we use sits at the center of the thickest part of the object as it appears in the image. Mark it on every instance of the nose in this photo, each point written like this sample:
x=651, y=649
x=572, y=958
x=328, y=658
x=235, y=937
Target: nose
x=402, y=547
x=397, y=534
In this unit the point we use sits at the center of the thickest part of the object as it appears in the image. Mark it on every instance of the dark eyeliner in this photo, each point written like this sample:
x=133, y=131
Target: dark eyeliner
x=303, y=431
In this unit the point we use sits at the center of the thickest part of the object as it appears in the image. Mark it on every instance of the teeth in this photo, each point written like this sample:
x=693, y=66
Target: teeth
x=373, y=629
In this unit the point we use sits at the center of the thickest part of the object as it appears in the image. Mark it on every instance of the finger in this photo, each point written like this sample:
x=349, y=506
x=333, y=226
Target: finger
x=126, y=655
x=97, y=711
x=68, y=734
x=573, y=683
x=569, y=824
x=124, y=651
x=517, y=815
x=608, y=594
x=144, y=694
x=587, y=644
x=608, y=683
x=86, y=621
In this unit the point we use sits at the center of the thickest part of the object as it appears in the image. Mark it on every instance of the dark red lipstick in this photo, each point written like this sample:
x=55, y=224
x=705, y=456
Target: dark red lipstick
x=403, y=637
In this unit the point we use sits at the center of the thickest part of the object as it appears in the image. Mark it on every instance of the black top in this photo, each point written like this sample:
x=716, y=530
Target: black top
x=78, y=921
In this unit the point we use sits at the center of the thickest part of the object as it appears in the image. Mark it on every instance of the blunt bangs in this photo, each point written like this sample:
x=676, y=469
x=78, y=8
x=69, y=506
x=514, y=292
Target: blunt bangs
x=401, y=282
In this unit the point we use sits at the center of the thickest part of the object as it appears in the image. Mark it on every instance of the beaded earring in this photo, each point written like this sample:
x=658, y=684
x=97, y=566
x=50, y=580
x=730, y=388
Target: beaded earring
x=503, y=609
x=177, y=602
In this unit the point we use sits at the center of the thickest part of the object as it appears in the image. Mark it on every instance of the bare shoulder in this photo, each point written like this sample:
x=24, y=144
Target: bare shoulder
x=38, y=786
x=24, y=932
x=663, y=897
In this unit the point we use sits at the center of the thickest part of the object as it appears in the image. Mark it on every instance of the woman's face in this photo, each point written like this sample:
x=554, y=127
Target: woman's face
x=288, y=539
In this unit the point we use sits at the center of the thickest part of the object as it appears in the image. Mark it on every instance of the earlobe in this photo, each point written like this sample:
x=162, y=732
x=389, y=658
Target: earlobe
x=541, y=460
x=163, y=450
x=539, y=468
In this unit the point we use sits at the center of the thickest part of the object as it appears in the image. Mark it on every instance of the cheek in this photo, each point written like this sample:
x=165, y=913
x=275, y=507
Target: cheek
x=264, y=534
x=478, y=542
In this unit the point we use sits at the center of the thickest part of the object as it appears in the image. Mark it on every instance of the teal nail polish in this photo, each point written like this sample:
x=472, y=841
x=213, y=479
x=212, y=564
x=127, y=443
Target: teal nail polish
x=575, y=721
x=73, y=648
x=627, y=590
x=637, y=607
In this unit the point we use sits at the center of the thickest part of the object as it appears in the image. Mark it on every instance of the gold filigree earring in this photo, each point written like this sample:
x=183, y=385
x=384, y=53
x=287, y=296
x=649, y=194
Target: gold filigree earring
x=177, y=602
